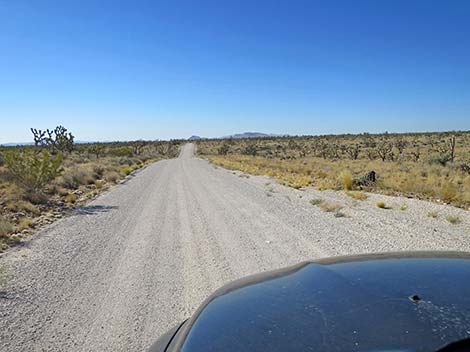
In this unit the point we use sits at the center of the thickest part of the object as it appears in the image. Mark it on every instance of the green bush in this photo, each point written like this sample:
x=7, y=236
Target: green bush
x=440, y=159
x=122, y=151
x=31, y=170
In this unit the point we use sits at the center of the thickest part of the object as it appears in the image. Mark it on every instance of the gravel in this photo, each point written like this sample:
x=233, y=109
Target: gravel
x=141, y=257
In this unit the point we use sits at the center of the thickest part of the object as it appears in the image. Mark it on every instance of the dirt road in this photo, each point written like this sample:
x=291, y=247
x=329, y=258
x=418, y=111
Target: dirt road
x=141, y=257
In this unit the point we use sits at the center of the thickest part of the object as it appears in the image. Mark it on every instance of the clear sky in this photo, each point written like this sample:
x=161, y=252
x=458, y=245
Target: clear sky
x=112, y=70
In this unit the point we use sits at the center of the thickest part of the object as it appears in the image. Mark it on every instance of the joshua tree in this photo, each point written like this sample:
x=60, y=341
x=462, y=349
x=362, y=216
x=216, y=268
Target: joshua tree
x=57, y=140
x=137, y=146
x=384, y=149
x=353, y=151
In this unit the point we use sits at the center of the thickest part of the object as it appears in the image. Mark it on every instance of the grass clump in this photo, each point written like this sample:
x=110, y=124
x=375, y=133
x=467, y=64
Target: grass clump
x=316, y=201
x=433, y=214
x=127, y=170
x=359, y=195
x=5, y=228
x=70, y=198
x=381, y=204
x=453, y=219
x=22, y=205
x=75, y=177
x=112, y=176
x=448, y=192
x=25, y=223
x=346, y=180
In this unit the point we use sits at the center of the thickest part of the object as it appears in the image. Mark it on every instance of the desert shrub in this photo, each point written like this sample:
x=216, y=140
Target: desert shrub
x=223, y=149
x=25, y=223
x=128, y=161
x=5, y=227
x=122, y=152
x=316, y=201
x=98, y=170
x=71, y=198
x=31, y=170
x=381, y=204
x=453, y=219
x=440, y=159
x=433, y=214
x=346, y=180
x=99, y=184
x=112, y=176
x=2, y=159
x=448, y=192
x=21, y=205
x=76, y=176
x=127, y=170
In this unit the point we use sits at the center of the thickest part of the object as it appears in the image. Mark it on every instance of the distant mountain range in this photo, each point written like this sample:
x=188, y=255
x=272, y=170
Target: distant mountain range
x=249, y=135
x=238, y=136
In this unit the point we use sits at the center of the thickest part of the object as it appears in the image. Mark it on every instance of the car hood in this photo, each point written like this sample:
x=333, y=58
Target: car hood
x=405, y=302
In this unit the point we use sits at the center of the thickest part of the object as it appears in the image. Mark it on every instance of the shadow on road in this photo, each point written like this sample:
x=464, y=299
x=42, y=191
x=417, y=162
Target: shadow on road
x=93, y=209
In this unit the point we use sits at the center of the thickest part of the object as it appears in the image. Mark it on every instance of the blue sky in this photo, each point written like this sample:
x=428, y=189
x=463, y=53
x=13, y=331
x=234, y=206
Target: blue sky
x=112, y=70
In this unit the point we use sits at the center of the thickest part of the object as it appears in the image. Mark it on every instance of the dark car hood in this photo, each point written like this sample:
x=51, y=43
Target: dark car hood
x=416, y=302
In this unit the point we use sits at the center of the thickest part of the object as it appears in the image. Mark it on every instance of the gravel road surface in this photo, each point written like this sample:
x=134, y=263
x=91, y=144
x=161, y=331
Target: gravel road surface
x=141, y=257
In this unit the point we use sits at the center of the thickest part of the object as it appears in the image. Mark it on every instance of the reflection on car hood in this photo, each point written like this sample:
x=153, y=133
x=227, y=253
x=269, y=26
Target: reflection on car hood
x=418, y=302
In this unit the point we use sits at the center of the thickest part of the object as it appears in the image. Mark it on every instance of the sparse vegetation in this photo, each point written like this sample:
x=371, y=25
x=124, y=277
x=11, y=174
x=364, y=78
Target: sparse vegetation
x=433, y=214
x=403, y=207
x=381, y=204
x=346, y=180
x=316, y=201
x=453, y=219
x=56, y=174
x=435, y=166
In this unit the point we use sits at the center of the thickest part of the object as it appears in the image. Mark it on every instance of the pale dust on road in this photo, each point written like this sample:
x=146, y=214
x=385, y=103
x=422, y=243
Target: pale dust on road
x=142, y=257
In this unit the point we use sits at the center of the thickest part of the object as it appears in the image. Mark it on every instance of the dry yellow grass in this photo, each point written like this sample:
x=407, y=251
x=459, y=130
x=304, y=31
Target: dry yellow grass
x=381, y=204
x=416, y=164
x=409, y=178
x=346, y=180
